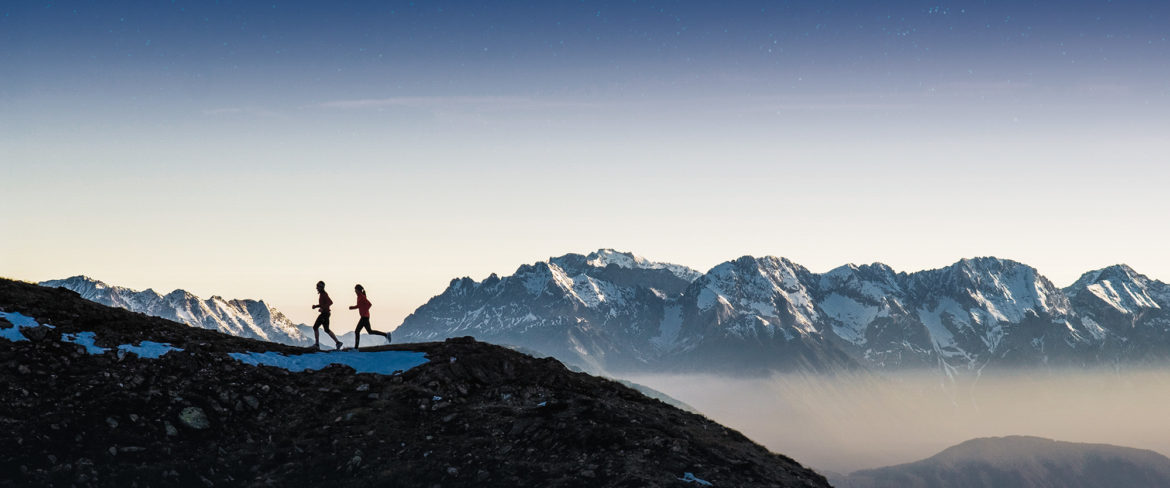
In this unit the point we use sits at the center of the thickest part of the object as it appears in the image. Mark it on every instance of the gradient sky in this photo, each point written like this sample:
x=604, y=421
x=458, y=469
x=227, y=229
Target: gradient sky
x=248, y=149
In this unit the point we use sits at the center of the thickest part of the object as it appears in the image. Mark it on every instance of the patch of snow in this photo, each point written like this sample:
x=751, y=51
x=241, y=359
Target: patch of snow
x=691, y=478
x=875, y=291
x=380, y=362
x=1104, y=290
x=1094, y=328
x=1141, y=298
x=593, y=292
x=149, y=349
x=561, y=278
x=854, y=317
x=18, y=322
x=942, y=337
x=12, y=334
x=763, y=309
x=669, y=327
x=708, y=297
x=86, y=340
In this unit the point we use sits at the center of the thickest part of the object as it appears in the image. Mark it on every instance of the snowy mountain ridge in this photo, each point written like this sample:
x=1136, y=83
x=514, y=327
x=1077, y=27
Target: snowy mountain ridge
x=243, y=318
x=771, y=313
x=614, y=311
x=606, y=257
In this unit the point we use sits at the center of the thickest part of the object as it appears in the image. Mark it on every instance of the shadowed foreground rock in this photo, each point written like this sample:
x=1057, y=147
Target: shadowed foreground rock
x=475, y=415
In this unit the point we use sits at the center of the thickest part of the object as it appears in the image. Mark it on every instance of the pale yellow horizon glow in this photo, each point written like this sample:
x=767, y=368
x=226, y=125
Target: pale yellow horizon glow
x=265, y=215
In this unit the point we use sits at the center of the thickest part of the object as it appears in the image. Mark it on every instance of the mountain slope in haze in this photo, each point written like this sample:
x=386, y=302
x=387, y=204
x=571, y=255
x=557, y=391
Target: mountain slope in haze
x=611, y=311
x=963, y=317
x=750, y=314
x=244, y=318
x=1022, y=462
x=471, y=414
x=617, y=312
x=602, y=310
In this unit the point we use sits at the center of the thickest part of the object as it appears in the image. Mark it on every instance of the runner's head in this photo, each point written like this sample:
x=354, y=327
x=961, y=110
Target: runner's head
x=320, y=286
x=359, y=289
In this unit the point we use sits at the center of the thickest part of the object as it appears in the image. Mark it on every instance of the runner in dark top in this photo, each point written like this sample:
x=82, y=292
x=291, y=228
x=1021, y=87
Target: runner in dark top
x=363, y=307
x=323, y=303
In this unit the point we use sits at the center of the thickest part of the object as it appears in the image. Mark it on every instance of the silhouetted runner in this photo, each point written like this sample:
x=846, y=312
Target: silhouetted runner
x=323, y=303
x=363, y=306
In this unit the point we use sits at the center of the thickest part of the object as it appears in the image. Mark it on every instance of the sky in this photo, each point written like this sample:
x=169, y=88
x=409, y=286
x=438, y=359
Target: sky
x=249, y=149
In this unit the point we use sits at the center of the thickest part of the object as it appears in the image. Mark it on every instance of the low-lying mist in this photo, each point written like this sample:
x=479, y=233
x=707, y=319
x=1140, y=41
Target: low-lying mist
x=843, y=424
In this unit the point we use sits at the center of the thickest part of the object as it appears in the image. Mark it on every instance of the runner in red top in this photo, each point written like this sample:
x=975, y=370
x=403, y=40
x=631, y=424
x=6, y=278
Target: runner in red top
x=363, y=308
x=323, y=303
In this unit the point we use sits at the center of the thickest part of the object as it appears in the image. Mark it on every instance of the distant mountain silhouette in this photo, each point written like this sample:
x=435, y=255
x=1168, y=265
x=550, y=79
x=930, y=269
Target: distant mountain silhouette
x=1022, y=462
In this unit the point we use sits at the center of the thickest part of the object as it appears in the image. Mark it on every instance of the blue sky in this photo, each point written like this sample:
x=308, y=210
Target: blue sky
x=240, y=148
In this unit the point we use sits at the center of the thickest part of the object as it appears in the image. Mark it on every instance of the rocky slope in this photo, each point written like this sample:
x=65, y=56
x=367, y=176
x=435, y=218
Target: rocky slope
x=244, y=318
x=763, y=314
x=1022, y=462
x=87, y=403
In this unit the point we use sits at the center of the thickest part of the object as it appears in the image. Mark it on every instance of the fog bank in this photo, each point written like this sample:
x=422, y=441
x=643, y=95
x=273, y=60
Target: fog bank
x=845, y=424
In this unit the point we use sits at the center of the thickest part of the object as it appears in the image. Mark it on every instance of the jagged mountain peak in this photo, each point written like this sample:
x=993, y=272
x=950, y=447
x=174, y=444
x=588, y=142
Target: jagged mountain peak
x=1115, y=273
x=990, y=290
x=753, y=264
x=84, y=279
x=768, y=272
x=867, y=286
x=768, y=290
x=179, y=295
x=605, y=258
x=983, y=273
x=869, y=272
x=78, y=282
x=1122, y=270
x=1121, y=288
x=982, y=266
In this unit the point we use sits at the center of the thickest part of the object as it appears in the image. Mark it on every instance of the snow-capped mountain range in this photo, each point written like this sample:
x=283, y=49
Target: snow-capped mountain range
x=244, y=318
x=614, y=311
